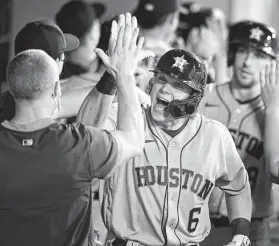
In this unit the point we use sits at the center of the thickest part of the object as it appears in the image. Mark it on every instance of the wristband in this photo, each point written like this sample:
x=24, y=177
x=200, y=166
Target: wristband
x=240, y=226
x=107, y=84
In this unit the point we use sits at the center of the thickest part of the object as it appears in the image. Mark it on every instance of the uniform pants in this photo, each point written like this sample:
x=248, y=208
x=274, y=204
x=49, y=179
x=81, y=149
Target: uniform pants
x=259, y=234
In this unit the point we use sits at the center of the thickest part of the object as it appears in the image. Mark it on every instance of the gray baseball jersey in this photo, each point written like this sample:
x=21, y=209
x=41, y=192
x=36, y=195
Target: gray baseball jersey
x=245, y=122
x=161, y=197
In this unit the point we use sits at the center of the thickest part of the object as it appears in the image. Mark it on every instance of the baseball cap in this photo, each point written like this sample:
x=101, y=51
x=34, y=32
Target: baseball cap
x=76, y=17
x=152, y=10
x=99, y=9
x=47, y=36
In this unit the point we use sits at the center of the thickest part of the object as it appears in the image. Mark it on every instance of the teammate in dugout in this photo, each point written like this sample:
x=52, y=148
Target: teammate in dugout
x=239, y=105
x=46, y=168
x=161, y=197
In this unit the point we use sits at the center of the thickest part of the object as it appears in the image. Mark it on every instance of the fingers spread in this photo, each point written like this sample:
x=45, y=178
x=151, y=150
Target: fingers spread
x=119, y=41
x=134, y=23
x=113, y=37
x=128, y=19
x=127, y=31
x=133, y=43
x=101, y=54
x=121, y=21
x=139, y=46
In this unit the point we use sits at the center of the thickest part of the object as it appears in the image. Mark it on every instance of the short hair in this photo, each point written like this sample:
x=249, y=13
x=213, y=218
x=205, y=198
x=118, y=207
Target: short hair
x=31, y=73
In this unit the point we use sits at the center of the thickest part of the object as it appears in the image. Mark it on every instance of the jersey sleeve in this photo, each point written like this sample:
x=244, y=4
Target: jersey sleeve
x=104, y=151
x=232, y=175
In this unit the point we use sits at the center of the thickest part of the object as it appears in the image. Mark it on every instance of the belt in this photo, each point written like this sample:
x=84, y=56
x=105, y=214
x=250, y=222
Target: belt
x=223, y=221
x=121, y=242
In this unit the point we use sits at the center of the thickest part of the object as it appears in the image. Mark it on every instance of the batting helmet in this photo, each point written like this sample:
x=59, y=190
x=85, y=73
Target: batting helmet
x=252, y=34
x=190, y=69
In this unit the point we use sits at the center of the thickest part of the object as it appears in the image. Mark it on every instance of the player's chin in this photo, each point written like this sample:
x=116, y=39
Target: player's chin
x=160, y=115
x=246, y=82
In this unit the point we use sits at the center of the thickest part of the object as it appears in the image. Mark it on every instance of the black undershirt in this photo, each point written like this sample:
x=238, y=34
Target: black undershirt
x=173, y=133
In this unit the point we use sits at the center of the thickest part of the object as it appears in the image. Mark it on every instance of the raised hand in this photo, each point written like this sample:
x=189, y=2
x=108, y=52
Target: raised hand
x=124, y=50
x=269, y=79
x=124, y=36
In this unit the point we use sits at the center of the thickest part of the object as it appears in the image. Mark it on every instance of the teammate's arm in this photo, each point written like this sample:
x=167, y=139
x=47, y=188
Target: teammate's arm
x=96, y=107
x=270, y=94
x=122, y=64
x=234, y=182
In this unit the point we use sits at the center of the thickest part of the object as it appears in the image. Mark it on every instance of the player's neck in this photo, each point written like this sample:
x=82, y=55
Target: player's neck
x=244, y=94
x=173, y=125
x=26, y=112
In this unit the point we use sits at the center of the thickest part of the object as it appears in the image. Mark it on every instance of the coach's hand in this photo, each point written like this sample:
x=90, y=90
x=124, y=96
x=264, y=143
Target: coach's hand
x=124, y=51
x=239, y=240
x=269, y=79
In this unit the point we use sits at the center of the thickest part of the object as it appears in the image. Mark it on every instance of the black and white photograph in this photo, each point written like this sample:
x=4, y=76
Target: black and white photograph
x=139, y=123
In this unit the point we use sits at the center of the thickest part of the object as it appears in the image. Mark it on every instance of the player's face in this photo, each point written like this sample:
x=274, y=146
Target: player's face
x=247, y=66
x=164, y=90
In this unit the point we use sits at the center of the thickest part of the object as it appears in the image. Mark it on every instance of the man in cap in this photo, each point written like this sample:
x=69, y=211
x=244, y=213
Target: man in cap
x=47, y=36
x=46, y=168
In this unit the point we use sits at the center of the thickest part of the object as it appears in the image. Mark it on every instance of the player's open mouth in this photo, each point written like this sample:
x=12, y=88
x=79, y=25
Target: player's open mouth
x=162, y=104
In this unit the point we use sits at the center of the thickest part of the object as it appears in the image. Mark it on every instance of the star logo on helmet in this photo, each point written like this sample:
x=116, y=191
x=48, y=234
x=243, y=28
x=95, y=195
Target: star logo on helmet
x=256, y=33
x=180, y=62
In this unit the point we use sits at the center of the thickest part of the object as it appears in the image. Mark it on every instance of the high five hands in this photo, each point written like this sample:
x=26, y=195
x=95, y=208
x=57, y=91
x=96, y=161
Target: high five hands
x=125, y=49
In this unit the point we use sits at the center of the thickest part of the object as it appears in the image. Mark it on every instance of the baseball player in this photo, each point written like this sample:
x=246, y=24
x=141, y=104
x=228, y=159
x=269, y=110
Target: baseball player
x=238, y=105
x=161, y=197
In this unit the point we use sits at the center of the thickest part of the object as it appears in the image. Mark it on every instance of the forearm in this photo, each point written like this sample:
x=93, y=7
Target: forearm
x=271, y=141
x=72, y=101
x=95, y=108
x=240, y=206
x=130, y=118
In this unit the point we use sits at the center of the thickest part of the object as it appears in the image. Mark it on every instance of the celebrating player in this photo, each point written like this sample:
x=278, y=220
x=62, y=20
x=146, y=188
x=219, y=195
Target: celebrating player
x=161, y=197
x=238, y=104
